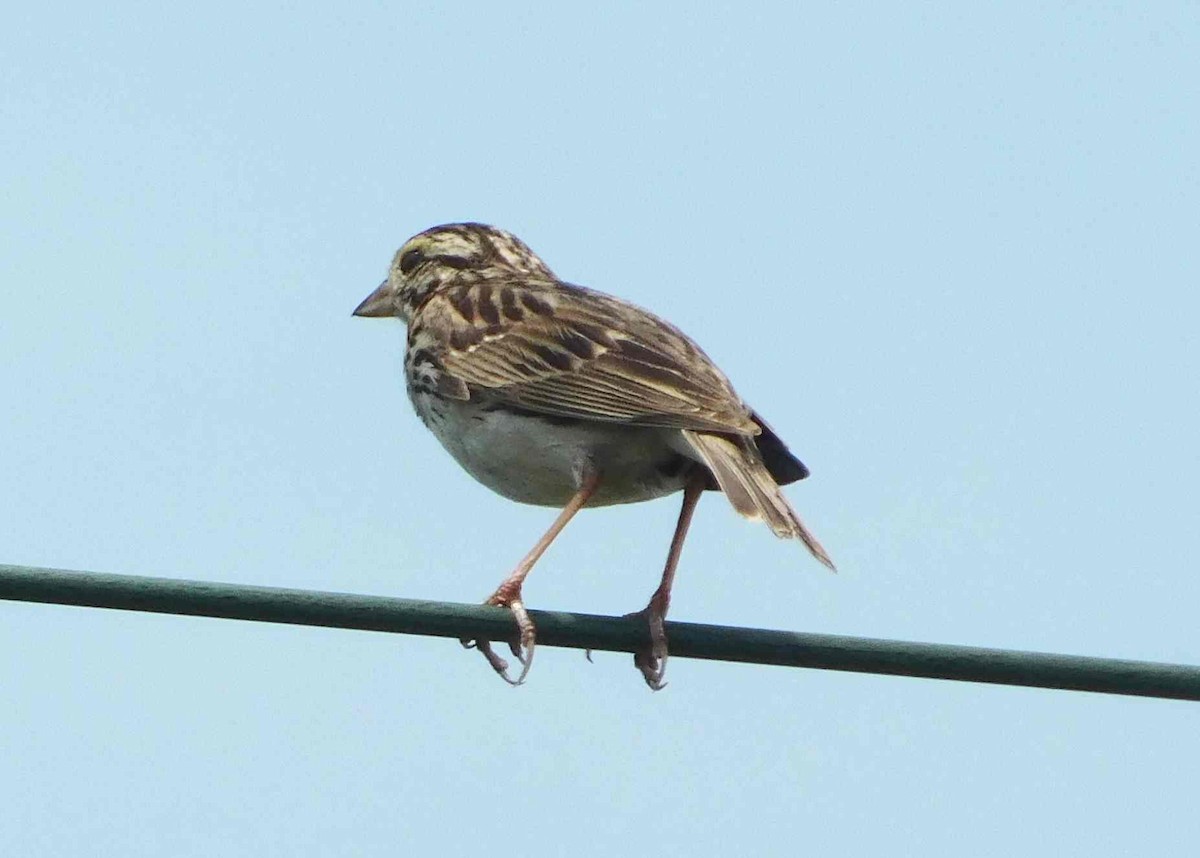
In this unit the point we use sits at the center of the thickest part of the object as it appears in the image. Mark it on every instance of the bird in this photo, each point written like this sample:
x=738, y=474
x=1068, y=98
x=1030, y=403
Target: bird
x=557, y=395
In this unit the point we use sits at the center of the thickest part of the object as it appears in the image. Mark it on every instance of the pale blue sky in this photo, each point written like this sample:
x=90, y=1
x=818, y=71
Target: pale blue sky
x=948, y=251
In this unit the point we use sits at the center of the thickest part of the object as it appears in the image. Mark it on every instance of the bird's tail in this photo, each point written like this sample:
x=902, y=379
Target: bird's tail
x=745, y=480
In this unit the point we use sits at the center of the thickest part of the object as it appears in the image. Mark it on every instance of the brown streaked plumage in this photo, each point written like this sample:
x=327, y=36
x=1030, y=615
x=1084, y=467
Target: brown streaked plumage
x=554, y=394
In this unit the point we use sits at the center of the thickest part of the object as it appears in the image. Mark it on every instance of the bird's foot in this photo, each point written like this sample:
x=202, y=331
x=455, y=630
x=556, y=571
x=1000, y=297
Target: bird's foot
x=521, y=646
x=652, y=661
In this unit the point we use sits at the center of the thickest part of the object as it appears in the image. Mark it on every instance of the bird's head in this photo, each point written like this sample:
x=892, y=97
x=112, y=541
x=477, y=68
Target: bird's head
x=446, y=255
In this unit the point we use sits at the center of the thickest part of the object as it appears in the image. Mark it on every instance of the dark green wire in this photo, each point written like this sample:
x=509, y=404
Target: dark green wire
x=587, y=631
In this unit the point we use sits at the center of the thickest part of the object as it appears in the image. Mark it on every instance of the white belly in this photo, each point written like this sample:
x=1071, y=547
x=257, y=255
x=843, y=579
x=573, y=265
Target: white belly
x=536, y=461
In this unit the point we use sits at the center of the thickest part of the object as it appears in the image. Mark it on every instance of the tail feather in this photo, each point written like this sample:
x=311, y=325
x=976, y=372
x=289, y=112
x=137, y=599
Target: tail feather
x=745, y=480
x=784, y=467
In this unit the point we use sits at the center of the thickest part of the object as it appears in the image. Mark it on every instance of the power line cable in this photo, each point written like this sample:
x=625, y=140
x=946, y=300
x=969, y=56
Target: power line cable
x=588, y=631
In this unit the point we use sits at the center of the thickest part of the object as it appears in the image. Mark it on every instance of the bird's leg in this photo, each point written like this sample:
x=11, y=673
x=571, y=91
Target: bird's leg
x=652, y=662
x=508, y=594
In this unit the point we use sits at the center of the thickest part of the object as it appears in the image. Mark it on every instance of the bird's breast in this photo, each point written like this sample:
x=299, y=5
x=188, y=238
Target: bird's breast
x=540, y=460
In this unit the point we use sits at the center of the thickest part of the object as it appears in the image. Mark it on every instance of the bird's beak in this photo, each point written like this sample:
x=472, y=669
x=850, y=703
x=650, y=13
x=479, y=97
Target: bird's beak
x=378, y=303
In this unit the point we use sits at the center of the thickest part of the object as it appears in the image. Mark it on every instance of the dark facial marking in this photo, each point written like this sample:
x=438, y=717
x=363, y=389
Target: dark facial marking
x=490, y=253
x=424, y=356
x=458, y=263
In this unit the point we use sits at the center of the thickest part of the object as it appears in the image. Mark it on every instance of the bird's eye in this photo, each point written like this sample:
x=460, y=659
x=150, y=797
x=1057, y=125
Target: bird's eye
x=409, y=260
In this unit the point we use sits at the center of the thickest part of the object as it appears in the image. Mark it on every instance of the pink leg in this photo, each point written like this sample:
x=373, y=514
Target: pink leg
x=508, y=594
x=653, y=662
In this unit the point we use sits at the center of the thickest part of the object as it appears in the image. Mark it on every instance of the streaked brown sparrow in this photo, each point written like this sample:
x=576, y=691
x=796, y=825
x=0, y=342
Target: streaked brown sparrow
x=556, y=395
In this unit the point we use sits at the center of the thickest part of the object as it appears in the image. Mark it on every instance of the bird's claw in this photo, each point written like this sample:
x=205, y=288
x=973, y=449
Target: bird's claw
x=522, y=646
x=652, y=660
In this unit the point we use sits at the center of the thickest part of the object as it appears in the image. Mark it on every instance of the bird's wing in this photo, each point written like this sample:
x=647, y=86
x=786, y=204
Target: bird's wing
x=565, y=351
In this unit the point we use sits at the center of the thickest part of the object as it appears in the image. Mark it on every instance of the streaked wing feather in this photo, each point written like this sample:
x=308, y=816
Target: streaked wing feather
x=572, y=352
